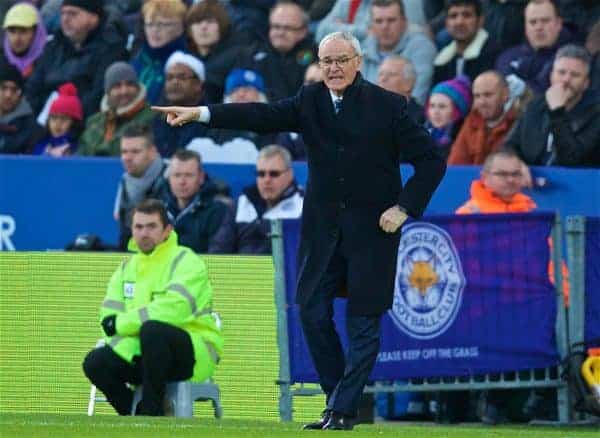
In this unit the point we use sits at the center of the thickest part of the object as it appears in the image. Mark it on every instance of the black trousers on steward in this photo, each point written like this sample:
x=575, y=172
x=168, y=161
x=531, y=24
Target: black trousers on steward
x=167, y=355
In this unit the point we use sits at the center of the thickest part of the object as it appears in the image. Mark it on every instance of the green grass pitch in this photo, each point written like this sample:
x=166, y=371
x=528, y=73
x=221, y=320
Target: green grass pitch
x=67, y=426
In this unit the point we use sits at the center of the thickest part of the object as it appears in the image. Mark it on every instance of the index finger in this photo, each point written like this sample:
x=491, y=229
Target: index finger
x=164, y=109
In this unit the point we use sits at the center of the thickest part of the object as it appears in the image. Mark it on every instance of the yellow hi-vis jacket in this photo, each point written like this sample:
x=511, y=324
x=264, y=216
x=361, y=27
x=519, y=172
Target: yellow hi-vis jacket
x=169, y=285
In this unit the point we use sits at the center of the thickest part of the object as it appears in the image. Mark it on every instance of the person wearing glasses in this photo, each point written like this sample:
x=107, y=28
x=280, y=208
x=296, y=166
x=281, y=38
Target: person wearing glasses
x=276, y=195
x=284, y=57
x=354, y=206
x=164, y=34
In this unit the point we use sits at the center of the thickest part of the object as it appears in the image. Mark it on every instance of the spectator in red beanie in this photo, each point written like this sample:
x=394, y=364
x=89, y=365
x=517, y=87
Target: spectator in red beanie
x=64, y=124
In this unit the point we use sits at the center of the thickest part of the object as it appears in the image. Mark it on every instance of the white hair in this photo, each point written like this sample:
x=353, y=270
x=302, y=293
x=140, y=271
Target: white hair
x=345, y=36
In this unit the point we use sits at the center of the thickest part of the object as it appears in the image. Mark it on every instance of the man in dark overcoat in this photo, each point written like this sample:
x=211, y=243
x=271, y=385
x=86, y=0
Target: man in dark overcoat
x=353, y=208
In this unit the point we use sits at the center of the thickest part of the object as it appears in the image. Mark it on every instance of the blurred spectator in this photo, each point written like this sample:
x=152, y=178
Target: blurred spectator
x=65, y=123
x=275, y=195
x=592, y=44
x=244, y=86
x=124, y=103
x=143, y=177
x=17, y=122
x=316, y=9
x=211, y=39
x=505, y=21
x=346, y=16
x=445, y=110
x=560, y=128
x=532, y=60
x=389, y=36
x=185, y=76
x=471, y=51
x=250, y=15
x=24, y=39
x=580, y=15
x=282, y=60
x=191, y=203
x=164, y=32
x=292, y=141
x=488, y=123
x=398, y=75
x=80, y=53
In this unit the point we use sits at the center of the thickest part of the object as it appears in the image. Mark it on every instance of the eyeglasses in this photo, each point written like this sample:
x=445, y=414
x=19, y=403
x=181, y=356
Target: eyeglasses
x=271, y=173
x=179, y=78
x=285, y=27
x=160, y=25
x=505, y=174
x=340, y=62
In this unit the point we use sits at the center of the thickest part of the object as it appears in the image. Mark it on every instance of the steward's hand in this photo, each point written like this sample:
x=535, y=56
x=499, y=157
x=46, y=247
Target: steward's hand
x=392, y=219
x=109, y=325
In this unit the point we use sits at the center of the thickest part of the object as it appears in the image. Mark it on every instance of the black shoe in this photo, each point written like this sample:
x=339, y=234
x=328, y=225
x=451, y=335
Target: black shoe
x=339, y=422
x=317, y=425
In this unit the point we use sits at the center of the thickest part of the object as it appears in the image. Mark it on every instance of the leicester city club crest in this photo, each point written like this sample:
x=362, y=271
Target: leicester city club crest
x=429, y=282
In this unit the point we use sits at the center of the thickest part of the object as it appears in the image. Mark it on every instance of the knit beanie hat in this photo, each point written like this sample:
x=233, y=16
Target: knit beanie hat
x=188, y=60
x=459, y=92
x=243, y=78
x=117, y=72
x=21, y=15
x=9, y=72
x=93, y=6
x=67, y=103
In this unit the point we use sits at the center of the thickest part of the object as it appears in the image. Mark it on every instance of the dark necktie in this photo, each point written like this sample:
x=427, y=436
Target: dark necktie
x=337, y=105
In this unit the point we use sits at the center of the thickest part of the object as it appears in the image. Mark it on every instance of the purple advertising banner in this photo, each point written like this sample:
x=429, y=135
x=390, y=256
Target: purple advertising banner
x=592, y=280
x=472, y=296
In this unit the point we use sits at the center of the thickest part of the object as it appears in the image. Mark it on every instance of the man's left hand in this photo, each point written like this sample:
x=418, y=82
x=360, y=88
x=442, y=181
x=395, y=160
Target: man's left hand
x=109, y=325
x=392, y=219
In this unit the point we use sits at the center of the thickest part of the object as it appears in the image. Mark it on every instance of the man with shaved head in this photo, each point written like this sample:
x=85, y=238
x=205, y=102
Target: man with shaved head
x=489, y=121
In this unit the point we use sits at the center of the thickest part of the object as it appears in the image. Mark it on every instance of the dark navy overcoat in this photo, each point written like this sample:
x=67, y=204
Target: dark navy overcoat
x=353, y=177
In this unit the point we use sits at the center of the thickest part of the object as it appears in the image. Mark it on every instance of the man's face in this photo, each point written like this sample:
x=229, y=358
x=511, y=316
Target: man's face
x=391, y=77
x=205, y=33
x=388, y=25
x=76, y=22
x=572, y=74
x=313, y=74
x=20, y=38
x=182, y=85
x=339, y=64
x=503, y=177
x=185, y=178
x=148, y=231
x=542, y=25
x=136, y=155
x=122, y=94
x=286, y=27
x=10, y=96
x=160, y=31
x=489, y=96
x=244, y=95
x=272, y=178
x=463, y=23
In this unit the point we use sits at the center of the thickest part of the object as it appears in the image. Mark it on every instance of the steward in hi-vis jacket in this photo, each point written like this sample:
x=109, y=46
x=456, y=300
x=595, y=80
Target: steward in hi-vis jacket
x=157, y=318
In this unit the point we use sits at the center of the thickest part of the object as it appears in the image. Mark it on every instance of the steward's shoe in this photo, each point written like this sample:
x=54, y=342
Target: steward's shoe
x=339, y=421
x=317, y=425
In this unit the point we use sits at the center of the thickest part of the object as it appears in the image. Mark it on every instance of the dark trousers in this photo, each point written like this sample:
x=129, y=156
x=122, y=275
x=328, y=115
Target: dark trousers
x=167, y=355
x=342, y=377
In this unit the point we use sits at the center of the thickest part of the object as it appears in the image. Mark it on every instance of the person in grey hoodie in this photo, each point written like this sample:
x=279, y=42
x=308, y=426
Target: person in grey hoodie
x=17, y=122
x=390, y=36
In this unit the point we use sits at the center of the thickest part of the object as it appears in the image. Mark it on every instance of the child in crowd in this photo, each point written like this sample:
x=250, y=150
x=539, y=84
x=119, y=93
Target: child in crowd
x=447, y=106
x=64, y=124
